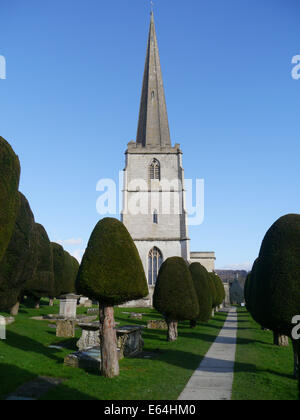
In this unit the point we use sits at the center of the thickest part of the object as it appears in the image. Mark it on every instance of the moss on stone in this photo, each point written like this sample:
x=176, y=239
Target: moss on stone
x=111, y=271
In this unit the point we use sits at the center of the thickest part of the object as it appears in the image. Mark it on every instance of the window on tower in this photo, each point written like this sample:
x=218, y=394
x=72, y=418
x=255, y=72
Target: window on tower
x=155, y=260
x=154, y=170
x=155, y=217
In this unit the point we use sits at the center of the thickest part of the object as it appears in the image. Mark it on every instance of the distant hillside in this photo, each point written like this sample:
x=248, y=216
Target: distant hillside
x=228, y=276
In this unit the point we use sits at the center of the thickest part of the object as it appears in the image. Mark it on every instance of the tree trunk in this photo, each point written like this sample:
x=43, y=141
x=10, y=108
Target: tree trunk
x=15, y=309
x=108, y=340
x=172, y=330
x=51, y=302
x=193, y=324
x=296, y=348
x=37, y=304
x=280, y=340
x=213, y=313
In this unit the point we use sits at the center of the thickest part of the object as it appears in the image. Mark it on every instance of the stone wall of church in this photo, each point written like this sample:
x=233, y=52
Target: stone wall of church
x=154, y=197
x=207, y=259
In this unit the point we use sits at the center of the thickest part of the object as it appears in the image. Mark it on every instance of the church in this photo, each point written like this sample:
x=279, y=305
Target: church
x=154, y=209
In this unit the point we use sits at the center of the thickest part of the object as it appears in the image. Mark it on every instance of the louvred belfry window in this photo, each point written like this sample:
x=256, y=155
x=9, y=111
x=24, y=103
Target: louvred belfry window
x=155, y=170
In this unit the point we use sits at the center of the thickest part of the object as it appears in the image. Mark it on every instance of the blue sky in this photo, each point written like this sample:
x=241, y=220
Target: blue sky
x=70, y=102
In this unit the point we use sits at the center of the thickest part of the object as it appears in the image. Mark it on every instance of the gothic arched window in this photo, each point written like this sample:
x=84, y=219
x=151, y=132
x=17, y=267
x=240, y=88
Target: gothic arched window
x=155, y=217
x=155, y=260
x=154, y=170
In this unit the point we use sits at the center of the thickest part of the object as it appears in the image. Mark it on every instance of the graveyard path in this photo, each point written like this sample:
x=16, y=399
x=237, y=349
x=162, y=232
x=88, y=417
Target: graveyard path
x=214, y=377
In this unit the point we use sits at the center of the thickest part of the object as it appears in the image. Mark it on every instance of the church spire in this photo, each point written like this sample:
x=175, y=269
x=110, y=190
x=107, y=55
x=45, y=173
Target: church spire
x=153, y=127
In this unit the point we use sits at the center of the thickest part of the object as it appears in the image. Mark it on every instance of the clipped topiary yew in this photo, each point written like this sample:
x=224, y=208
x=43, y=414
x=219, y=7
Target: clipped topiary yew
x=65, y=269
x=213, y=290
x=9, y=198
x=71, y=267
x=19, y=261
x=112, y=273
x=41, y=284
x=201, y=282
x=220, y=290
x=275, y=296
x=175, y=295
x=58, y=269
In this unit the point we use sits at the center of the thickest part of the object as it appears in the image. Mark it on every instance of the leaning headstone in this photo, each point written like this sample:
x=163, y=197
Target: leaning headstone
x=68, y=306
x=157, y=325
x=65, y=328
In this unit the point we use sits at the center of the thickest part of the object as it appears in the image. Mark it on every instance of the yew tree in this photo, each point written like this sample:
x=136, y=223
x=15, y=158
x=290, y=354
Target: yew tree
x=20, y=259
x=111, y=272
x=275, y=279
x=9, y=198
x=65, y=269
x=201, y=283
x=41, y=284
x=175, y=296
x=213, y=290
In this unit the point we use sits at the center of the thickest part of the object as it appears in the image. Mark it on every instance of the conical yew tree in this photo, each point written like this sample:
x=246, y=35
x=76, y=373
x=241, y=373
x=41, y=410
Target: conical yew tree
x=201, y=282
x=275, y=282
x=9, y=198
x=41, y=284
x=112, y=273
x=214, y=297
x=175, y=295
x=20, y=259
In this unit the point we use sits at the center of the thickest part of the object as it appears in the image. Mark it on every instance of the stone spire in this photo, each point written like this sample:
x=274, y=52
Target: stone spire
x=153, y=127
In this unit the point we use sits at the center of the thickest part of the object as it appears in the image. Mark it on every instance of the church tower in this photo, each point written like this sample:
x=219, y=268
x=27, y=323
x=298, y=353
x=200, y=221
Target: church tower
x=154, y=195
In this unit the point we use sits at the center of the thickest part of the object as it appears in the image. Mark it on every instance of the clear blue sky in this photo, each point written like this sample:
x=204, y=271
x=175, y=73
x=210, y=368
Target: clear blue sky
x=70, y=102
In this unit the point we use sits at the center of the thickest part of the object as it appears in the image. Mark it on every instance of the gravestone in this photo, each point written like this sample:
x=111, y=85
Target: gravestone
x=65, y=328
x=90, y=336
x=68, y=306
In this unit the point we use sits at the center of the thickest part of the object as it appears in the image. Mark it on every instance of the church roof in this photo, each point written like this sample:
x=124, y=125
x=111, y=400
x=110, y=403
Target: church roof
x=153, y=127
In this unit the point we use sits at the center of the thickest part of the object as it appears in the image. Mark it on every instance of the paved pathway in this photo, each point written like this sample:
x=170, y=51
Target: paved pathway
x=214, y=377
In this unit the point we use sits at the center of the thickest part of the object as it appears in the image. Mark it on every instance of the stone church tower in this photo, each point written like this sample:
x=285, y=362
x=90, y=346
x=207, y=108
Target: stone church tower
x=154, y=197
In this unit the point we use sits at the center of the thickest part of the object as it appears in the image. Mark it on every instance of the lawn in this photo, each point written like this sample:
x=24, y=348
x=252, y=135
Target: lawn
x=26, y=354
x=262, y=371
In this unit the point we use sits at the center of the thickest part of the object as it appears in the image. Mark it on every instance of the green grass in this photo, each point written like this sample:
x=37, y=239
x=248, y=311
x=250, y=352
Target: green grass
x=262, y=371
x=25, y=355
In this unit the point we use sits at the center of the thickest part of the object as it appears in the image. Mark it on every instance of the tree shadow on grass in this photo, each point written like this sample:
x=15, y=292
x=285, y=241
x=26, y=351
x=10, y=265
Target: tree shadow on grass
x=209, y=365
x=25, y=343
x=15, y=377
